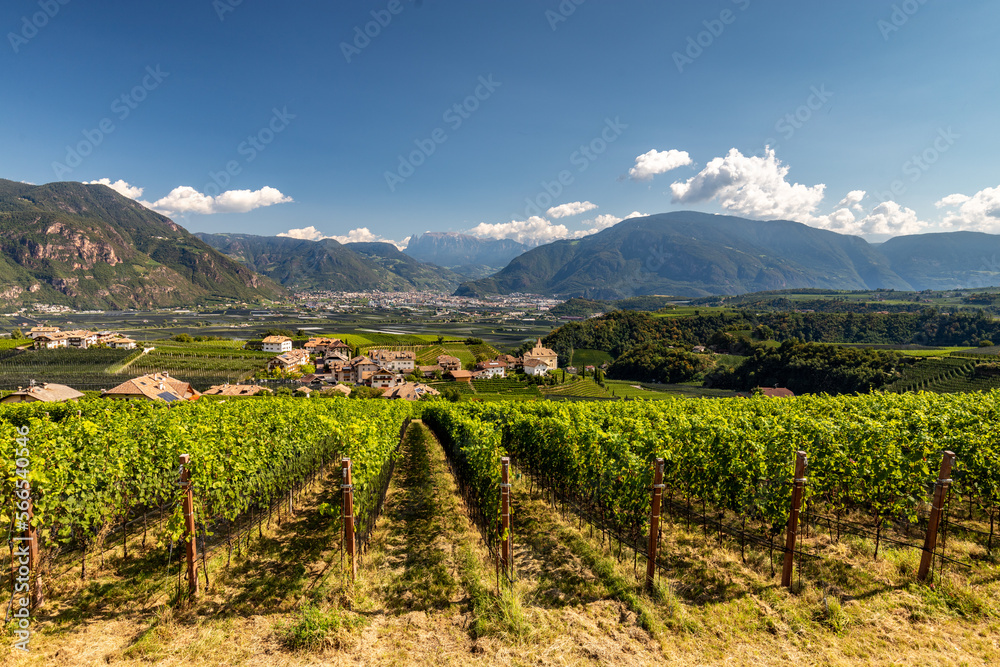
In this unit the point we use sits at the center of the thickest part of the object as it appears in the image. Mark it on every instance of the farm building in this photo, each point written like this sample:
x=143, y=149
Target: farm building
x=411, y=391
x=153, y=387
x=543, y=354
x=277, y=344
x=535, y=367
x=289, y=361
x=45, y=393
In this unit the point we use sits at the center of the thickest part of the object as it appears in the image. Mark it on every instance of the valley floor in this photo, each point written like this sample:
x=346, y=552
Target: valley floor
x=426, y=595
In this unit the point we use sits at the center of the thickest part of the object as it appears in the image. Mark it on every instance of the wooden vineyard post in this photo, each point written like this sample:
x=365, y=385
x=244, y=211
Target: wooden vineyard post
x=937, y=506
x=654, y=523
x=190, y=536
x=347, y=491
x=793, y=518
x=505, y=537
x=30, y=535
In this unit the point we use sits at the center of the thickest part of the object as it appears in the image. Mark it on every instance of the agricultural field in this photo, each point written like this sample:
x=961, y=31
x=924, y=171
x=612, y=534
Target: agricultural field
x=576, y=387
x=81, y=369
x=505, y=388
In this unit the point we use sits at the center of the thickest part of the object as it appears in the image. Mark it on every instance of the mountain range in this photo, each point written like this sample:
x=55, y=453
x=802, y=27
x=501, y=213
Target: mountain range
x=470, y=256
x=328, y=265
x=693, y=254
x=86, y=246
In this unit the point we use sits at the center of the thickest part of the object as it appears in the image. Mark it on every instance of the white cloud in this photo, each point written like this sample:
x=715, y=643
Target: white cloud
x=886, y=219
x=980, y=212
x=656, y=162
x=573, y=208
x=119, y=186
x=533, y=231
x=305, y=234
x=754, y=187
x=185, y=199
x=536, y=230
x=952, y=200
x=892, y=219
x=359, y=235
x=853, y=200
x=602, y=222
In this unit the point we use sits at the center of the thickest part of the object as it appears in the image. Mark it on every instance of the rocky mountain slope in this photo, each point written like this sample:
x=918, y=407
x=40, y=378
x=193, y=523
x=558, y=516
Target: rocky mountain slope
x=86, y=246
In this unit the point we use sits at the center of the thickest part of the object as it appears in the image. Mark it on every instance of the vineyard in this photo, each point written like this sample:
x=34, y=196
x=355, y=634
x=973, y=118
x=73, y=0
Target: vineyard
x=99, y=470
x=201, y=370
x=561, y=567
x=729, y=465
x=81, y=369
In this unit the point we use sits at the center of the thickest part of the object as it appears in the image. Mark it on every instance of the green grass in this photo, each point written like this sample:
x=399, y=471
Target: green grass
x=583, y=358
x=315, y=629
x=354, y=340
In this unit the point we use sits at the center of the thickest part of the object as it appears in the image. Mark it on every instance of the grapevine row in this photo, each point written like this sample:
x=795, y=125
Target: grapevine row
x=877, y=453
x=95, y=464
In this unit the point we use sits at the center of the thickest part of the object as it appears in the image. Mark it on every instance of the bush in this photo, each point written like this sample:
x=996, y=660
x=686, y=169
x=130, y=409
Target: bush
x=657, y=362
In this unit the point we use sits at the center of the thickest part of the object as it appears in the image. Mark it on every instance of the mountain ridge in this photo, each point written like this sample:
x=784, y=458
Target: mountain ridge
x=694, y=254
x=468, y=255
x=329, y=265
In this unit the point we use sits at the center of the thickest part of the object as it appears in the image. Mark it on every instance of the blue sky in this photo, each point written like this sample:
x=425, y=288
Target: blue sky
x=264, y=117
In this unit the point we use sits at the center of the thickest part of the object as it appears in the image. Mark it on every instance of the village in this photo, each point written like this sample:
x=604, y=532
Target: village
x=327, y=366
x=395, y=372
x=52, y=338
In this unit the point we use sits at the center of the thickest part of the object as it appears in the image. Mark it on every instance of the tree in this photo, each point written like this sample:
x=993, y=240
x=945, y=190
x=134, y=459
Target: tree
x=17, y=334
x=183, y=338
